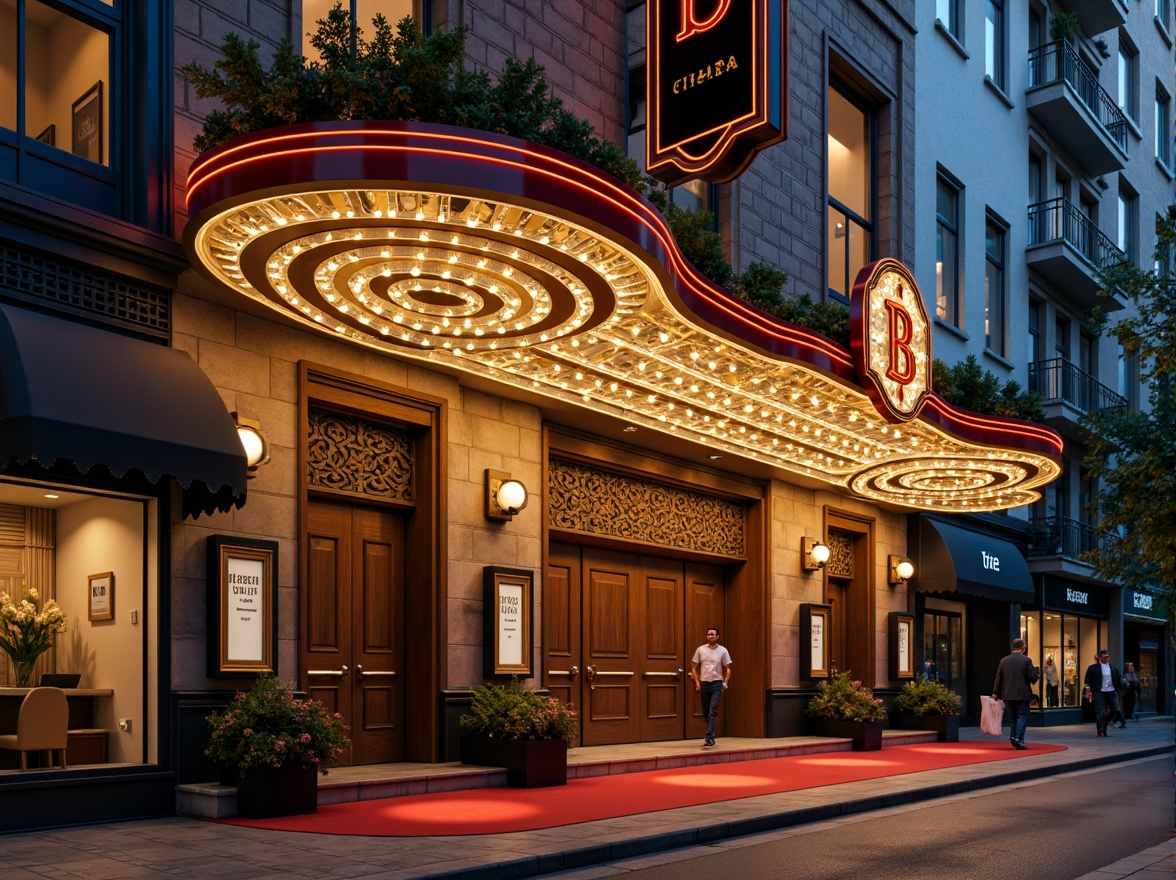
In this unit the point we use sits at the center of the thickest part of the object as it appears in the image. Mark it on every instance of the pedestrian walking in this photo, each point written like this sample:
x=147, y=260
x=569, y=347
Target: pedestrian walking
x=1102, y=684
x=711, y=670
x=1015, y=677
x=1131, y=689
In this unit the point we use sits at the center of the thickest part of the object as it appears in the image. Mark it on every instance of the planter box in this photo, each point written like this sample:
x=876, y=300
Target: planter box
x=264, y=792
x=866, y=735
x=533, y=763
x=947, y=726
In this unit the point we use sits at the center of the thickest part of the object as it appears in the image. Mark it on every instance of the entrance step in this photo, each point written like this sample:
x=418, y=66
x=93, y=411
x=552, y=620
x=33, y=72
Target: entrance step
x=369, y=782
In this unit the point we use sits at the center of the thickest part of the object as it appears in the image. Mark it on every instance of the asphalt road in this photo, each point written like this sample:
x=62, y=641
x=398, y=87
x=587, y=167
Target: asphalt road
x=1053, y=829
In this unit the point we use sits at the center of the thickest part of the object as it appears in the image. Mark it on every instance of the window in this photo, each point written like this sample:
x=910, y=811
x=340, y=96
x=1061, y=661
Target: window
x=1128, y=376
x=947, y=260
x=1163, y=128
x=1128, y=63
x=1164, y=13
x=851, y=191
x=1126, y=225
x=948, y=13
x=994, y=40
x=994, y=289
x=1067, y=646
x=362, y=12
x=1035, y=310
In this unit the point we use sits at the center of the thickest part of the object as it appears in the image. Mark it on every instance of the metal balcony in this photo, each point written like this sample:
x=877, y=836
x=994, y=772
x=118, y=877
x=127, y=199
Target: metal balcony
x=1068, y=393
x=1097, y=16
x=1068, y=249
x=1060, y=536
x=1064, y=95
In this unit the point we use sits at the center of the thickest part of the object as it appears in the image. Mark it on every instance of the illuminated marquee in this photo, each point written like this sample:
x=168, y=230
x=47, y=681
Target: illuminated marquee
x=891, y=337
x=716, y=85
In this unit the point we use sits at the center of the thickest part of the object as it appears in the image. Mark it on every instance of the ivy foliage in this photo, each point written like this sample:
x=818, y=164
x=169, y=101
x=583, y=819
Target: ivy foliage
x=402, y=74
x=971, y=387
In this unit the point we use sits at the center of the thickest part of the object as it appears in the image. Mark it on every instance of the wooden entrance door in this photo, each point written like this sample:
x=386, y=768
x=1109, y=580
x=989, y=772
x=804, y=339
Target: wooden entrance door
x=353, y=655
x=615, y=639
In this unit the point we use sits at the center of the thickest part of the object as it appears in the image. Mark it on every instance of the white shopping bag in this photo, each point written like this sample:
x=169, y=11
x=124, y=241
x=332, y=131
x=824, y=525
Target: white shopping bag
x=991, y=715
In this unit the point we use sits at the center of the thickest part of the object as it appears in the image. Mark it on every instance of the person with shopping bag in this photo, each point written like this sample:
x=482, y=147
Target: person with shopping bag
x=1015, y=677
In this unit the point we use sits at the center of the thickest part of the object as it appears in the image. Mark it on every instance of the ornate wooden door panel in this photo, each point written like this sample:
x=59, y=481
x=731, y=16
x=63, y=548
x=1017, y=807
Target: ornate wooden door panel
x=660, y=618
x=353, y=649
x=562, y=664
x=611, y=650
x=704, y=609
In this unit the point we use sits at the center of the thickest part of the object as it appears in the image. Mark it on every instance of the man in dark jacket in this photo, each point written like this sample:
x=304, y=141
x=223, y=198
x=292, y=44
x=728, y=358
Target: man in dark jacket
x=1015, y=677
x=1102, y=687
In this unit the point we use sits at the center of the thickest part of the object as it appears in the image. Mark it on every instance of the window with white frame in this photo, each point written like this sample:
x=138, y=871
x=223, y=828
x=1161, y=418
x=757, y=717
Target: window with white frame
x=1163, y=127
x=1128, y=73
x=948, y=13
x=994, y=42
x=995, y=293
x=1164, y=13
x=1125, y=237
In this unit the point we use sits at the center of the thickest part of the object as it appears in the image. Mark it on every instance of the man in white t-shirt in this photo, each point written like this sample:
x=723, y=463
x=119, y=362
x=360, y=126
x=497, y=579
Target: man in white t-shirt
x=1102, y=683
x=711, y=670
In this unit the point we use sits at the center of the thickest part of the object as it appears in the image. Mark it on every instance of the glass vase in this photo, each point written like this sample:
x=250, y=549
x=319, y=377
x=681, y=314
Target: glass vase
x=24, y=672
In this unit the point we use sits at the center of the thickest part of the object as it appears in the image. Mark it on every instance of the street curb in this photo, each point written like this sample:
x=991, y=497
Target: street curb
x=584, y=857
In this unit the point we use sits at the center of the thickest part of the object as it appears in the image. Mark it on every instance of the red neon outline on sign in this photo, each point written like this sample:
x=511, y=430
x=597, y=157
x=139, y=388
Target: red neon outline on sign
x=691, y=25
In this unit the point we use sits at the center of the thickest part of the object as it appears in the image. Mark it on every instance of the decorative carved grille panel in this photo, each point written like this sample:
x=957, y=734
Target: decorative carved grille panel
x=840, y=554
x=593, y=501
x=349, y=454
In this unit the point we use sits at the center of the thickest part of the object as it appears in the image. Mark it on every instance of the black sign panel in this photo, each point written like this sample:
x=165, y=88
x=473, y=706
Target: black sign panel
x=716, y=85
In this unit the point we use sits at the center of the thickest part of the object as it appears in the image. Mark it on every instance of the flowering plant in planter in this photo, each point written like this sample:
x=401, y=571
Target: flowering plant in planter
x=840, y=699
x=27, y=632
x=513, y=712
x=268, y=726
x=926, y=697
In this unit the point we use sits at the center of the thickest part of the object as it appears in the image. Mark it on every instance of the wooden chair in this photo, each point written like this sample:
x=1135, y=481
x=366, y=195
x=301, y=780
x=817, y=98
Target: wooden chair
x=43, y=725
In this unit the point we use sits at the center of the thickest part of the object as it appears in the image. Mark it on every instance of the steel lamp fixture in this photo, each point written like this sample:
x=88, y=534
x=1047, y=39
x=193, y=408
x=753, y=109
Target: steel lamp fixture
x=505, y=496
x=254, y=441
x=900, y=569
x=814, y=553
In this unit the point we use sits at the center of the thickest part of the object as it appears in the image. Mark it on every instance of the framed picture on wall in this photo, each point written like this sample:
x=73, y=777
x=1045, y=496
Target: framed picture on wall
x=102, y=596
x=507, y=622
x=902, y=645
x=87, y=124
x=242, y=606
x=814, y=640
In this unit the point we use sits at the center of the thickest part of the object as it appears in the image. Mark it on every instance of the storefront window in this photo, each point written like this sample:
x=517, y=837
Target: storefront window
x=90, y=554
x=1071, y=643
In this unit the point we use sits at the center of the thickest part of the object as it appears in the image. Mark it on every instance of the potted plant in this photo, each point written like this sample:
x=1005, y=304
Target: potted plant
x=844, y=708
x=514, y=727
x=273, y=745
x=1064, y=26
x=27, y=632
x=928, y=705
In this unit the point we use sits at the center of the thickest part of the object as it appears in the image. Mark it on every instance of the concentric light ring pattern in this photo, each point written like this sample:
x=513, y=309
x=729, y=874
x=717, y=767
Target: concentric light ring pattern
x=580, y=296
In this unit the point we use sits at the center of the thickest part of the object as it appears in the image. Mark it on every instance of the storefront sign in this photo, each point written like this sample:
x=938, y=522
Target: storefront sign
x=716, y=85
x=814, y=628
x=891, y=337
x=506, y=622
x=1085, y=599
x=1139, y=604
x=242, y=617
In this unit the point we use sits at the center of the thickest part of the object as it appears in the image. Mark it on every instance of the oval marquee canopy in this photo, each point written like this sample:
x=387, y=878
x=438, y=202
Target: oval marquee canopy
x=520, y=264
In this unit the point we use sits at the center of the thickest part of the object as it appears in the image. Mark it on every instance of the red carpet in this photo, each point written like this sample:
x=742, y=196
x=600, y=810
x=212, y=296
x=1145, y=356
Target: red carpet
x=496, y=810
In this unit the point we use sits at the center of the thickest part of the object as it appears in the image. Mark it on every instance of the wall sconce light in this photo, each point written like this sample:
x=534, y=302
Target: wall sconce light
x=505, y=496
x=254, y=441
x=813, y=554
x=901, y=569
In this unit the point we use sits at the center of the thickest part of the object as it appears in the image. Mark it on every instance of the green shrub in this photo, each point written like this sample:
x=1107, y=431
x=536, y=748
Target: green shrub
x=926, y=697
x=971, y=387
x=511, y=711
x=840, y=699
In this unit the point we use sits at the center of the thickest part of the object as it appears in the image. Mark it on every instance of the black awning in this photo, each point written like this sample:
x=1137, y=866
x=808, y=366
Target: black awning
x=80, y=397
x=954, y=559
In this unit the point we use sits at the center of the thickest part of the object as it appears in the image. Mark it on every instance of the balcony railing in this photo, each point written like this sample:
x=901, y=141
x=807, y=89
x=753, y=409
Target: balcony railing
x=1059, y=220
x=1060, y=536
x=1058, y=62
x=1058, y=379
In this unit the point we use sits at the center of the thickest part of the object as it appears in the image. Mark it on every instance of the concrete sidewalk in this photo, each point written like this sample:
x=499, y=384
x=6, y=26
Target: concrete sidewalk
x=183, y=848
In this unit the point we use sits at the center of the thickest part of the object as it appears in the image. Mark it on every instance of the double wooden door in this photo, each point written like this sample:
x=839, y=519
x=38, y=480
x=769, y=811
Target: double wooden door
x=353, y=656
x=619, y=630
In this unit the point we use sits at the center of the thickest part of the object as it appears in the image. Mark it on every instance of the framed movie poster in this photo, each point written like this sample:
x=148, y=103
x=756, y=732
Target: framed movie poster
x=87, y=124
x=814, y=640
x=902, y=645
x=507, y=626
x=242, y=607
x=102, y=596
